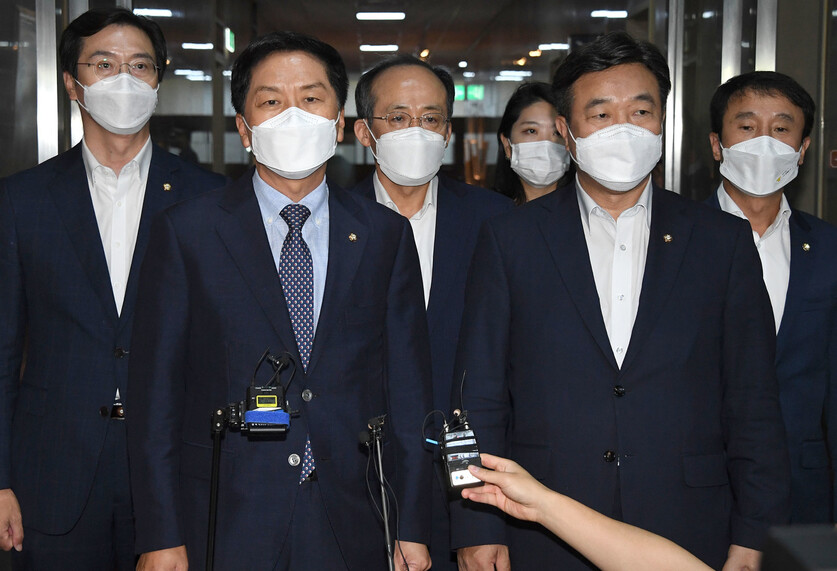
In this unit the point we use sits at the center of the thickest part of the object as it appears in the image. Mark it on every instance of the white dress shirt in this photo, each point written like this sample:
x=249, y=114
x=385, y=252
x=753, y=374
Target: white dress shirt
x=117, y=202
x=774, y=247
x=618, y=249
x=424, y=227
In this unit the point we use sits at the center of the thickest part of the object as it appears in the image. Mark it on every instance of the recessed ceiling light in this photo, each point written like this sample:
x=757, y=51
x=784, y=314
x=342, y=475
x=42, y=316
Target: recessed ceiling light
x=377, y=16
x=193, y=46
x=424, y=53
x=609, y=14
x=507, y=78
x=379, y=48
x=708, y=14
x=188, y=72
x=535, y=53
x=468, y=74
x=153, y=12
x=554, y=46
x=516, y=73
x=463, y=63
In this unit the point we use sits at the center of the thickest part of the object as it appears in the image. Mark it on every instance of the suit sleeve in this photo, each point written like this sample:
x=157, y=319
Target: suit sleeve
x=12, y=325
x=408, y=386
x=482, y=356
x=830, y=411
x=757, y=457
x=156, y=391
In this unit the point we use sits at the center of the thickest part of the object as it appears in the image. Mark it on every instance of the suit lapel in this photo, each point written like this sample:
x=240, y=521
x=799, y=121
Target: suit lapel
x=801, y=269
x=162, y=171
x=564, y=235
x=662, y=265
x=243, y=234
x=449, y=256
x=344, y=255
x=71, y=194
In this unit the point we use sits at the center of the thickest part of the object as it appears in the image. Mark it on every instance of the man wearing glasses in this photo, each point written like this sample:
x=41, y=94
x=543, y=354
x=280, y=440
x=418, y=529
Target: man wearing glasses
x=73, y=232
x=404, y=107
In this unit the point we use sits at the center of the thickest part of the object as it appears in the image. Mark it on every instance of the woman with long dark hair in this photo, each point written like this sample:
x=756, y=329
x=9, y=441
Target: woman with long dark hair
x=532, y=159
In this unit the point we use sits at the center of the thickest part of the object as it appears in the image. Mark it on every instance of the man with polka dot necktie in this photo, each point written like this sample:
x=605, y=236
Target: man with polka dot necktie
x=286, y=260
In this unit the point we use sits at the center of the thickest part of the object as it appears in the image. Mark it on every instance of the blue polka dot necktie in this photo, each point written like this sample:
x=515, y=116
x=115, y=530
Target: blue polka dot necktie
x=296, y=272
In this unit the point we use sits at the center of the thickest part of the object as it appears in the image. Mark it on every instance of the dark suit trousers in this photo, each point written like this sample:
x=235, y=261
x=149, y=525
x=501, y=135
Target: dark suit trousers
x=103, y=537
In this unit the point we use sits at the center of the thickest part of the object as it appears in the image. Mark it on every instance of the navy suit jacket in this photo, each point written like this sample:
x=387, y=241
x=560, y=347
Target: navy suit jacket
x=57, y=306
x=460, y=212
x=212, y=303
x=685, y=439
x=806, y=365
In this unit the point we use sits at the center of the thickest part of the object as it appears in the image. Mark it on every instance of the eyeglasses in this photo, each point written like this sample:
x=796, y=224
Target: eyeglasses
x=142, y=68
x=400, y=120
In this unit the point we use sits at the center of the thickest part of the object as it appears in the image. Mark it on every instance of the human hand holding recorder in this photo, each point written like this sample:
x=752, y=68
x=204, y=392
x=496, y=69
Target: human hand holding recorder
x=608, y=543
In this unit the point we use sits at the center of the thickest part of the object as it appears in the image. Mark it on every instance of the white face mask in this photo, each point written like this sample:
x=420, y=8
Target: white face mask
x=540, y=163
x=618, y=157
x=294, y=143
x=760, y=166
x=122, y=104
x=409, y=157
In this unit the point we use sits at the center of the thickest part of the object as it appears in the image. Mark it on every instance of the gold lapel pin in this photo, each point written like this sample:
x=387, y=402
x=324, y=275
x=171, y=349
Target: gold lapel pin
x=667, y=238
x=352, y=237
x=166, y=186
x=806, y=247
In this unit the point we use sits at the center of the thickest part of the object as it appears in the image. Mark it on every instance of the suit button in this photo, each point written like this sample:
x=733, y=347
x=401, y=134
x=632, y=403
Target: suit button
x=119, y=352
x=619, y=391
x=609, y=456
x=307, y=395
x=104, y=412
x=293, y=459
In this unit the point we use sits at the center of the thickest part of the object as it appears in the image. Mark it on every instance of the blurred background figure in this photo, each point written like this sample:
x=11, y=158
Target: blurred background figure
x=532, y=157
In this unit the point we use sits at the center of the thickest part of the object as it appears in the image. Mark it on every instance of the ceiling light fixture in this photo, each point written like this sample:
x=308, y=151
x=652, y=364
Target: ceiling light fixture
x=380, y=16
x=379, y=48
x=515, y=73
x=193, y=46
x=463, y=63
x=424, y=53
x=153, y=12
x=468, y=74
x=535, y=53
x=609, y=14
x=507, y=78
x=521, y=61
x=554, y=46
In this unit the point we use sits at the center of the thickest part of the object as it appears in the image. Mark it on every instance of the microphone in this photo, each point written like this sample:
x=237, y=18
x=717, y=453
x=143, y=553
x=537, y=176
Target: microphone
x=279, y=363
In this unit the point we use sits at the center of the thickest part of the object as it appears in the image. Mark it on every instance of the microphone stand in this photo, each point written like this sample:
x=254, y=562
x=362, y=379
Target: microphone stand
x=219, y=426
x=376, y=432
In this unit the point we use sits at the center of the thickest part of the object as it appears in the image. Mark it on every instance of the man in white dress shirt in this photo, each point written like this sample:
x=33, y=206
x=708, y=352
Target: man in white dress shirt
x=405, y=106
x=618, y=342
x=73, y=232
x=761, y=126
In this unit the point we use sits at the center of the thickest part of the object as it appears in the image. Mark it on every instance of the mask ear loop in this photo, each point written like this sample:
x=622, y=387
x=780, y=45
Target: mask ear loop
x=368, y=128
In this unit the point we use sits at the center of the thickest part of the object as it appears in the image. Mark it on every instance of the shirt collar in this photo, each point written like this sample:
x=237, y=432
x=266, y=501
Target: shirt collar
x=588, y=206
x=271, y=201
x=430, y=197
x=142, y=160
x=728, y=205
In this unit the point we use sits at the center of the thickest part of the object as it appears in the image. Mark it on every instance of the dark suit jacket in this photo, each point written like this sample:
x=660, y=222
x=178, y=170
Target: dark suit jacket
x=460, y=212
x=212, y=304
x=685, y=439
x=806, y=365
x=55, y=290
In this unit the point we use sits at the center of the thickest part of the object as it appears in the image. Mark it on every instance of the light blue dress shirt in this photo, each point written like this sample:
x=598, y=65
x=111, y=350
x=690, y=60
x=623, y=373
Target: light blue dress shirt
x=314, y=231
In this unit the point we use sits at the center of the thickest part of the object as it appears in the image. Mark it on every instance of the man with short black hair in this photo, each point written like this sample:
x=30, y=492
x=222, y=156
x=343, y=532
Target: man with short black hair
x=619, y=342
x=761, y=127
x=404, y=107
x=73, y=232
x=281, y=259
